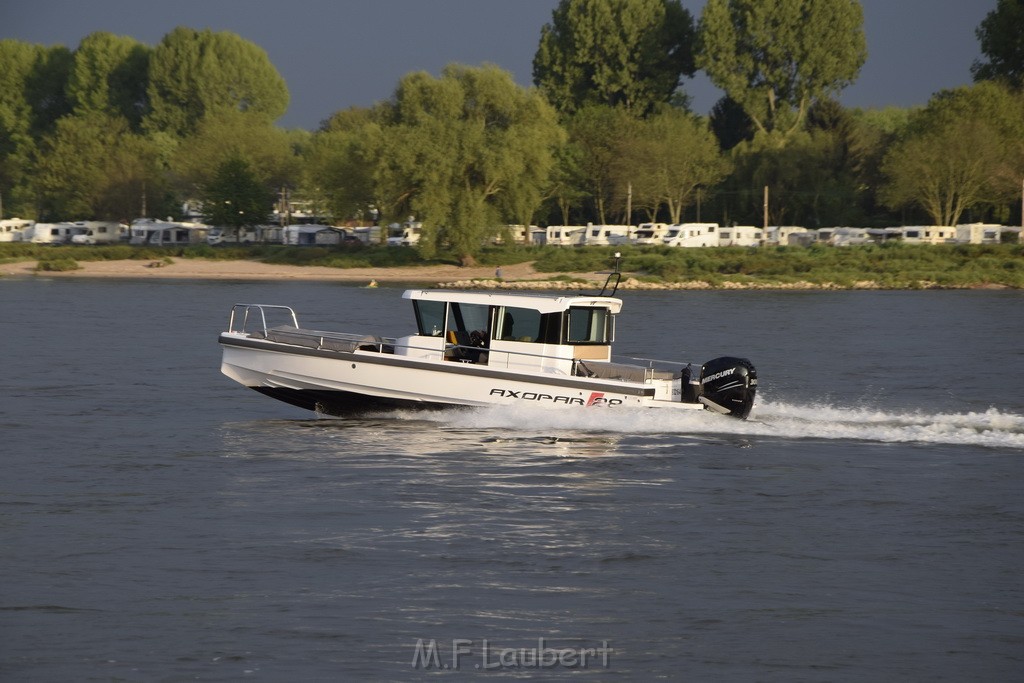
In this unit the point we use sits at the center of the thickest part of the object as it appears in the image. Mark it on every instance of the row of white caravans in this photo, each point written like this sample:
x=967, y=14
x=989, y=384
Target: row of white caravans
x=681, y=235
x=715, y=235
x=77, y=232
x=143, y=231
x=155, y=232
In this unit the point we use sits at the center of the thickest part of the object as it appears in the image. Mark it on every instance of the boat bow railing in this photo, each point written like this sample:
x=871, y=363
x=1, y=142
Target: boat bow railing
x=241, y=313
x=251, y=320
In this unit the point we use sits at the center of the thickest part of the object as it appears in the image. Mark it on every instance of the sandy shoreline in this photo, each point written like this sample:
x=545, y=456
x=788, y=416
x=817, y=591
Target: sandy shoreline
x=517, y=276
x=202, y=269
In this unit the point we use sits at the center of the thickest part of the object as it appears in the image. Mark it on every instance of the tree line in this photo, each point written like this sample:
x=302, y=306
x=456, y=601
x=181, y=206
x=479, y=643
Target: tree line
x=116, y=129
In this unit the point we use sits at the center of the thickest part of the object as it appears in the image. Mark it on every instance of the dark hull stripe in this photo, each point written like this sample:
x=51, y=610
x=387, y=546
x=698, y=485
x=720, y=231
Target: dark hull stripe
x=581, y=383
x=345, y=402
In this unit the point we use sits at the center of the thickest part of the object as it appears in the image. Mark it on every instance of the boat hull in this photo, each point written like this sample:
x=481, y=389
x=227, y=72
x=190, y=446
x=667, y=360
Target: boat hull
x=340, y=383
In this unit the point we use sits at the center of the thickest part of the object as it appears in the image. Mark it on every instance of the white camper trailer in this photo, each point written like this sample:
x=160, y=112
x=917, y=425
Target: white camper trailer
x=564, y=235
x=100, y=232
x=15, y=229
x=928, y=234
x=785, y=235
x=154, y=232
x=650, y=233
x=845, y=236
x=741, y=236
x=55, y=233
x=220, y=236
x=691, y=235
x=979, y=233
x=605, y=235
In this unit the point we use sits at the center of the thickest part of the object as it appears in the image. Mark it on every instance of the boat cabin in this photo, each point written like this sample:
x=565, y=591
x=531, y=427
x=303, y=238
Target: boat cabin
x=521, y=331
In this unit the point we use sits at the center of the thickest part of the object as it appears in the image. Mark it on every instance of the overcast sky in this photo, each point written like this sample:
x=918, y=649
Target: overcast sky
x=335, y=54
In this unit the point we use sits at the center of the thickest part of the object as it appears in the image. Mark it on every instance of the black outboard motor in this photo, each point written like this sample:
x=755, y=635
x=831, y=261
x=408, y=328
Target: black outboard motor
x=727, y=386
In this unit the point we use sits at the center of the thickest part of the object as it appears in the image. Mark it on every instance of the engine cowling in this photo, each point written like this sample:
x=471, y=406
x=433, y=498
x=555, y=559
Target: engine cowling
x=728, y=385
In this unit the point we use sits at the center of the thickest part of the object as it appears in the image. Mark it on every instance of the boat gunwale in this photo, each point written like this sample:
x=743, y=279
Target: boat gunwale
x=627, y=387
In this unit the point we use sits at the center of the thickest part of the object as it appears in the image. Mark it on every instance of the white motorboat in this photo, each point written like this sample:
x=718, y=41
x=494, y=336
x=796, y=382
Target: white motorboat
x=472, y=349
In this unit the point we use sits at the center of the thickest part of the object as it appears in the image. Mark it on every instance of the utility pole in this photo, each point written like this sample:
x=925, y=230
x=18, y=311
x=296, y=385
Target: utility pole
x=284, y=210
x=766, y=209
x=629, y=208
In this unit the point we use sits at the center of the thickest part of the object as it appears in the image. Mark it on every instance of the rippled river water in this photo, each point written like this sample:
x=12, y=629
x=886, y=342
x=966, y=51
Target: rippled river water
x=160, y=523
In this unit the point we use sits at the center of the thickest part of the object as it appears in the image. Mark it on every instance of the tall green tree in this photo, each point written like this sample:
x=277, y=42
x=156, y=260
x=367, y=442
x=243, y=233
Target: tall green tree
x=874, y=132
x=234, y=197
x=808, y=183
x=17, y=144
x=675, y=156
x=565, y=188
x=599, y=132
x=964, y=150
x=341, y=161
x=269, y=151
x=1001, y=35
x=629, y=53
x=46, y=88
x=93, y=167
x=730, y=123
x=818, y=178
x=195, y=74
x=776, y=58
x=455, y=145
x=109, y=76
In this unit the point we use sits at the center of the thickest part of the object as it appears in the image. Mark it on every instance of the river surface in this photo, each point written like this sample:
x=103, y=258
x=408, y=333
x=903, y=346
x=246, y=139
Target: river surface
x=160, y=523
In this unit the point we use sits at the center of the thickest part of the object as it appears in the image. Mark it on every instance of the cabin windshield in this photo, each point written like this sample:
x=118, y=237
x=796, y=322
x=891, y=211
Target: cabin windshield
x=430, y=317
x=590, y=326
x=468, y=317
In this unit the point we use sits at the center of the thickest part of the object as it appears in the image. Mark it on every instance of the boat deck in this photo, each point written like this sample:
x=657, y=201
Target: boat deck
x=329, y=341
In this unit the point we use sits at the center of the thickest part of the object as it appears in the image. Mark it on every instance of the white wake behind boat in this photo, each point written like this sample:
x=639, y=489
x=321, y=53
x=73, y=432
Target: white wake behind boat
x=473, y=349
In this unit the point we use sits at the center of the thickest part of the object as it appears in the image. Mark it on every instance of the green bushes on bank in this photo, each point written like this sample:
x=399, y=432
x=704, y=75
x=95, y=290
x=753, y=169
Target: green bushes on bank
x=892, y=265
x=58, y=265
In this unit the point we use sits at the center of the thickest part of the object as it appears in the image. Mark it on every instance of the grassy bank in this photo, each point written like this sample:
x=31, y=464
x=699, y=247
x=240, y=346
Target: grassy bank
x=893, y=265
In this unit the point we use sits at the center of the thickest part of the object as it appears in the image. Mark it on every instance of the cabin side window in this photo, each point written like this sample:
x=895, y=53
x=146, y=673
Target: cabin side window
x=518, y=324
x=429, y=317
x=590, y=326
x=527, y=325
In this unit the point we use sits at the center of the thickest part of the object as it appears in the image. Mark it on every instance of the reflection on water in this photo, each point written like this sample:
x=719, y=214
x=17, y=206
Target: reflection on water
x=613, y=525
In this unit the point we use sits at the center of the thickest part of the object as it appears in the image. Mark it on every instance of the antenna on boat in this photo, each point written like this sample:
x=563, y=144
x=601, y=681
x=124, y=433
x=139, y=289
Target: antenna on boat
x=614, y=274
